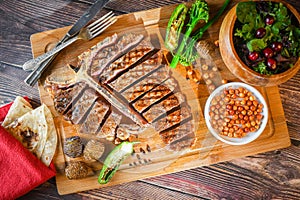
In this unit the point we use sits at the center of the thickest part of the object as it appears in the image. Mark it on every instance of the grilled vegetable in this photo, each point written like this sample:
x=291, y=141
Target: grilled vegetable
x=198, y=11
x=114, y=160
x=175, y=26
x=190, y=54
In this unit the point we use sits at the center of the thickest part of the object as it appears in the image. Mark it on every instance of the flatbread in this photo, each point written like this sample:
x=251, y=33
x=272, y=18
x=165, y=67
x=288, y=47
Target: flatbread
x=17, y=109
x=31, y=130
x=51, y=140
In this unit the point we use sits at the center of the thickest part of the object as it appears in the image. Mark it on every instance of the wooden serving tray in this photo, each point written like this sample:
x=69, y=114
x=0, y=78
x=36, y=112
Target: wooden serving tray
x=207, y=149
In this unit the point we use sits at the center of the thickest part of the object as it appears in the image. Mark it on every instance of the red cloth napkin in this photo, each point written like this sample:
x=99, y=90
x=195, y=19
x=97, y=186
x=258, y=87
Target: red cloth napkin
x=21, y=171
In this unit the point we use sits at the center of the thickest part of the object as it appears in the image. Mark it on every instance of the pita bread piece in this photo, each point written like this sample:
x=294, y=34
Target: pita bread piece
x=17, y=109
x=31, y=130
x=51, y=140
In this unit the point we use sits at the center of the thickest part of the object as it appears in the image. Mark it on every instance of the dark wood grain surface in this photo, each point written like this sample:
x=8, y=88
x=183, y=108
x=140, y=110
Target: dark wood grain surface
x=271, y=175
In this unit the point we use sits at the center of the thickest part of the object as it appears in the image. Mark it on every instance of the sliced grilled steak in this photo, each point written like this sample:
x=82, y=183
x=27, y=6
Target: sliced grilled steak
x=108, y=130
x=110, y=53
x=78, y=111
x=126, y=61
x=183, y=143
x=147, y=84
x=63, y=98
x=94, y=118
x=86, y=58
x=138, y=72
x=178, y=132
x=174, y=118
x=164, y=106
x=125, y=130
x=155, y=95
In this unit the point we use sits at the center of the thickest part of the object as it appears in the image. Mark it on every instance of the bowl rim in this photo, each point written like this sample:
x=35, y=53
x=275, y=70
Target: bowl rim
x=248, y=69
x=244, y=140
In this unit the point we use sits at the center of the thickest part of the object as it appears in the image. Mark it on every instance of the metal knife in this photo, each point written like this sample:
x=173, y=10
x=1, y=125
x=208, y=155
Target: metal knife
x=81, y=22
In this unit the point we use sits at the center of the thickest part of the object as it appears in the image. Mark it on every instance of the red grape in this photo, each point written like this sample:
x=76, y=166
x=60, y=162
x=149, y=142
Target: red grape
x=269, y=20
x=271, y=63
x=276, y=46
x=260, y=33
x=253, y=56
x=268, y=52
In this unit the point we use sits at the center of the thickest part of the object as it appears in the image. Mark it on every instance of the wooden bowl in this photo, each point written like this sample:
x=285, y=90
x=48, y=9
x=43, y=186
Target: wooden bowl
x=237, y=66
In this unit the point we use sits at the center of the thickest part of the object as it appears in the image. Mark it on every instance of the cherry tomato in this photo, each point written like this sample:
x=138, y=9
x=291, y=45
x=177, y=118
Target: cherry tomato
x=268, y=52
x=271, y=63
x=253, y=56
x=269, y=20
x=260, y=33
x=276, y=46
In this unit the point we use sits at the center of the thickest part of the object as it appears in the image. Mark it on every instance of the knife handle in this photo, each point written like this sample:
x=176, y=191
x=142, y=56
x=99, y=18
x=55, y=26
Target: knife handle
x=31, y=64
x=37, y=72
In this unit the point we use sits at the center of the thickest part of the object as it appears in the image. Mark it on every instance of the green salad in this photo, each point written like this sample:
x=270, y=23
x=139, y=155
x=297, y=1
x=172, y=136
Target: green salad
x=267, y=35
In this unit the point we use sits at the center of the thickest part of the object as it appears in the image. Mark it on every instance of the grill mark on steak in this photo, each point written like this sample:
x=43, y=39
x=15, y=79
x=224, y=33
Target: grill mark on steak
x=87, y=60
x=175, y=118
x=93, y=120
x=135, y=56
x=110, y=53
x=186, y=142
x=63, y=98
x=160, y=109
x=178, y=132
x=154, y=79
x=135, y=74
x=79, y=110
x=108, y=130
x=155, y=95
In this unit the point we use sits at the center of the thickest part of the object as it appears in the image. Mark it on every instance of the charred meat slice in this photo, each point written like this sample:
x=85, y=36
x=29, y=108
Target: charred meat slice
x=155, y=95
x=175, y=118
x=86, y=59
x=73, y=146
x=136, y=73
x=78, y=111
x=64, y=97
x=126, y=61
x=94, y=118
x=178, y=132
x=183, y=143
x=93, y=150
x=126, y=130
x=164, y=106
x=108, y=130
x=110, y=53
x=146, y=84
x=76, y=170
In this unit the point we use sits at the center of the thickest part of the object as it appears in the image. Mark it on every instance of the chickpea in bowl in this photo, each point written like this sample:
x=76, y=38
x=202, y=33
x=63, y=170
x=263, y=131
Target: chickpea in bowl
x=260, y=42
x=236, y=113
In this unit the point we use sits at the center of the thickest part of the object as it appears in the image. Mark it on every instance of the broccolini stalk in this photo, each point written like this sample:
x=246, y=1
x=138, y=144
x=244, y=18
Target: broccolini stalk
x=175, y=25
x=190, y=54
x=198, y=11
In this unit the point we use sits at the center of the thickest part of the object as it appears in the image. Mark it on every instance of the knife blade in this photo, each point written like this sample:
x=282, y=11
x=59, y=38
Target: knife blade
x=85, y=18
x=79, y=24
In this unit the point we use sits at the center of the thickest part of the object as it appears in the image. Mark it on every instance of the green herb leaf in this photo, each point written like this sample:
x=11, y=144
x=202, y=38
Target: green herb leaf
x=256, y=45
x=262, y=69
x=259, y=22
x=245, y=11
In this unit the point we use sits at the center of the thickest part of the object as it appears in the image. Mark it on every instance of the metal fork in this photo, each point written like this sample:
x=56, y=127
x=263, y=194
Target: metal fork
x=87, y=33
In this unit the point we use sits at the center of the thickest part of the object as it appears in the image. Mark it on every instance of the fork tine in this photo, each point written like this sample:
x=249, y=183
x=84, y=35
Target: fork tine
x=104, y=17
x=104, y=26
x=101, y=23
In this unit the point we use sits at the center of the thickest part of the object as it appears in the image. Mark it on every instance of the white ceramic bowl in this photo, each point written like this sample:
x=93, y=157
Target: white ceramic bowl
x=249, y=137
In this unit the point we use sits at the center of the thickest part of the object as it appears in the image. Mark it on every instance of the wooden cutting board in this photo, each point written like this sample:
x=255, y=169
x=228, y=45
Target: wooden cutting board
x=207, y=149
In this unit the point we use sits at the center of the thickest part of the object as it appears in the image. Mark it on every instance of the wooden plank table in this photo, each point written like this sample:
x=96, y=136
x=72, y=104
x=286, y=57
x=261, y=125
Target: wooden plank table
x=274, y=174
